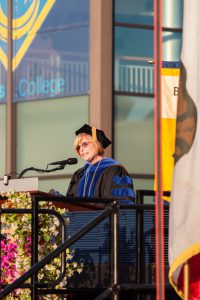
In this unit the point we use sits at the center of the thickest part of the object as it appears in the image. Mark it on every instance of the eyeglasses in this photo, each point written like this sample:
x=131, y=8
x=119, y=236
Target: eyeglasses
x=83, y=145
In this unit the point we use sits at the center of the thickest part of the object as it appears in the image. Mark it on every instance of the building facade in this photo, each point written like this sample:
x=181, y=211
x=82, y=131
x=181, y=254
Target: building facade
x=74, y=62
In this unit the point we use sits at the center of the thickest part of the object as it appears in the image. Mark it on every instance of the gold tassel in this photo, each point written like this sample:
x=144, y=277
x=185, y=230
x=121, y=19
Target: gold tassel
x=94, y=134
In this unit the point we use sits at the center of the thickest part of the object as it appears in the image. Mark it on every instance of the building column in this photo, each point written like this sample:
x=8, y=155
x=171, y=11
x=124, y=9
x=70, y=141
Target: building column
x=172, y=18
x=101, y=66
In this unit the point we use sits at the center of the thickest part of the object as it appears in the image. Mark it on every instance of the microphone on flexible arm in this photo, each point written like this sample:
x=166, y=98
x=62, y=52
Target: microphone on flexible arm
x=61, y=164
x=69, y=161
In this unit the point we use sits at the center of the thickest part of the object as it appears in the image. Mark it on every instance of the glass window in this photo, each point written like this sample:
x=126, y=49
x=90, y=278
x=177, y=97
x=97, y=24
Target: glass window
x=132, y=71
x=50, y=49
x=134, y=79
x=134, y=11
x=52, y=68
x=67, y=13
x=133, y=41
x=134, y=133
x=2, y=83
x=144, y=184
x=45, y=131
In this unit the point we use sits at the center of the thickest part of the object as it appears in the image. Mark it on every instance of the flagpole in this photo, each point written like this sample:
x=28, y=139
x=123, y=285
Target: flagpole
x=159, y=209
x=186, y=280
x=10, y=106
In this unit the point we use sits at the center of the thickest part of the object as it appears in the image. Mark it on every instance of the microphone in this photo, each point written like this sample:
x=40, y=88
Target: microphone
x=69, y=161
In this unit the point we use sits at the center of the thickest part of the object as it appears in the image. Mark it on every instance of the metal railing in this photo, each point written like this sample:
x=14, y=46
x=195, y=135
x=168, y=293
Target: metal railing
x=134, y=75
x=109, y=208
x=137, y=79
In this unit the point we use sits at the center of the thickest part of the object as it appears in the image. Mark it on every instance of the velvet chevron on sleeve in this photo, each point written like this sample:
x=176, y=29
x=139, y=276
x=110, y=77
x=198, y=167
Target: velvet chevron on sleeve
x=106, y=179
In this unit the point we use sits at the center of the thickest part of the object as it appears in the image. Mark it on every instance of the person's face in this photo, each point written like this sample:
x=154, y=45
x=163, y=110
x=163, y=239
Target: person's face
x=88, y=150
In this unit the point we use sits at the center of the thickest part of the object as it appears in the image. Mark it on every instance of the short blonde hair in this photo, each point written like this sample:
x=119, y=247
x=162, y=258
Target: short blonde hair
x=79, y=138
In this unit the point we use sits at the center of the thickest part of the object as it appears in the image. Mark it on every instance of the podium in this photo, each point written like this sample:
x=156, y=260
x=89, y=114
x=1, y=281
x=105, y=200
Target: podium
x=32, y=185
x=20, y=185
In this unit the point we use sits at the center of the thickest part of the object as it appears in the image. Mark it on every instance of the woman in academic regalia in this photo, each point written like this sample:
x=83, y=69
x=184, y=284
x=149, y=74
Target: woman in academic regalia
x=101, y=177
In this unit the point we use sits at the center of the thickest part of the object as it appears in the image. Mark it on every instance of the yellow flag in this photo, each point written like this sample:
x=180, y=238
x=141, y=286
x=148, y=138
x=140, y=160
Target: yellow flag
x=170, y=82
